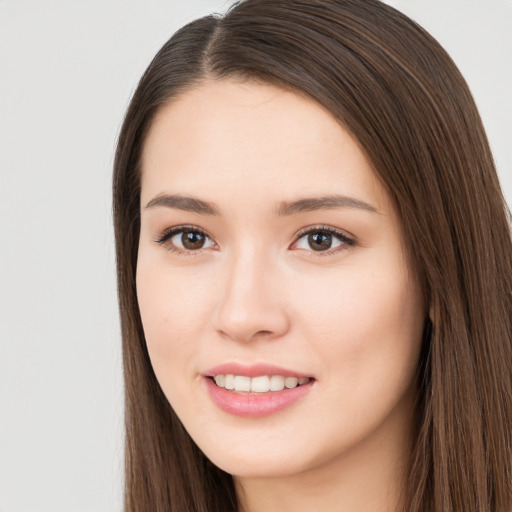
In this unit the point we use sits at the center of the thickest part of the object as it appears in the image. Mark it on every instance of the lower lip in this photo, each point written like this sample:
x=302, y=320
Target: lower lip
x=255, y=405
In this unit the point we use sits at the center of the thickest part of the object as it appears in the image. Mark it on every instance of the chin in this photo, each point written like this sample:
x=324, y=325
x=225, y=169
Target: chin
x=257, y=463
x=258, y=468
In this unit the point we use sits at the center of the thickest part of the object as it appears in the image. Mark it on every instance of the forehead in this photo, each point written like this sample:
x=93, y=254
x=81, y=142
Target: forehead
x=251, y=139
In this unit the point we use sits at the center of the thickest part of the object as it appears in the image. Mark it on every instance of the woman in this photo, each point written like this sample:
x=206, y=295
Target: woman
x=314, y=270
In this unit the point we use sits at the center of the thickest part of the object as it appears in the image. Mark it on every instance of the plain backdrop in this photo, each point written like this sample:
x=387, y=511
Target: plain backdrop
x=67, y=70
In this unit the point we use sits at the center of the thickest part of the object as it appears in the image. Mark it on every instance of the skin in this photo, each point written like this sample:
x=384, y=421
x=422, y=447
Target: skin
x=351, y=315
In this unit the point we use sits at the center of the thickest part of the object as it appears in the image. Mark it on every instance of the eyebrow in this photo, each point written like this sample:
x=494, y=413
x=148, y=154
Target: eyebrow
x=323, y=203
x=189, y=204
x=285, y=208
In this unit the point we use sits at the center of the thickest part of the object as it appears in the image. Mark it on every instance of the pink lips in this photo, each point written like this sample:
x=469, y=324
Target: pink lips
x=254, y=405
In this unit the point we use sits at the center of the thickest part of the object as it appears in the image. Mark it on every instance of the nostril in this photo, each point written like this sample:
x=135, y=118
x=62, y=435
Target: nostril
x=263, y=333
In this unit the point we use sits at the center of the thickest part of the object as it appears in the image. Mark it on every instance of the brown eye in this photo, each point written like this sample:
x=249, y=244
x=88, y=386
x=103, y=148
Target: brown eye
x=323, y=239
x=320, y=241
x=185, y=239
x=192, y=240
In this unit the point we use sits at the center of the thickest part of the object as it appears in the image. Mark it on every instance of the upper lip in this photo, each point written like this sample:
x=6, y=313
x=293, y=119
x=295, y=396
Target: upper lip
x=253, y=370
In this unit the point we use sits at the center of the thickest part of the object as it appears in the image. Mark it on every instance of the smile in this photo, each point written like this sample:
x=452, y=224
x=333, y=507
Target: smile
x=259, y=384
x=255, y=397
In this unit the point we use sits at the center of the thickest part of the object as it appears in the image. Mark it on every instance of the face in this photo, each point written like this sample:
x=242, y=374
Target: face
x=271, y=260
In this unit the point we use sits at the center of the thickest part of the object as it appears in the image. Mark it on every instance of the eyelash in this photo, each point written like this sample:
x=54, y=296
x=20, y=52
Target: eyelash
x=346, y=241
x=170, y=232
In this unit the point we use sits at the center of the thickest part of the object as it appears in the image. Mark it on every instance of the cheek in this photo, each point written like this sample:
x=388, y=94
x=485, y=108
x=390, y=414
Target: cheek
x=173, y=307
x=365, y=335
x=368, y=324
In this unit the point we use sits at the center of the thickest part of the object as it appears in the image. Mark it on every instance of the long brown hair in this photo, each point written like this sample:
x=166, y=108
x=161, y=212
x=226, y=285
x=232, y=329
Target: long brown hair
x=391, y=84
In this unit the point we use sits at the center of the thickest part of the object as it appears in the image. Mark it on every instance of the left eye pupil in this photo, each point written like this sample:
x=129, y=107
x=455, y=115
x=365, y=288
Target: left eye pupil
x=192, y=240
x=320, y=241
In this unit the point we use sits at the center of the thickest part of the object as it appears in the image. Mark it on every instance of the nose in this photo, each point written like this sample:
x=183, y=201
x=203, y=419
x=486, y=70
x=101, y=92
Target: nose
x=251, y=303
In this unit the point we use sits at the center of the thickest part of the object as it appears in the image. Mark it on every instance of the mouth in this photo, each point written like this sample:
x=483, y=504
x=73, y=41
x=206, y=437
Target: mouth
x=244, y=384
x=257, y=390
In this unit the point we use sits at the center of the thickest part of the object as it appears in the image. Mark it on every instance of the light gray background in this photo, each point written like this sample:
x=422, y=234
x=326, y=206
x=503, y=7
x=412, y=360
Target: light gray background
x=67, y=70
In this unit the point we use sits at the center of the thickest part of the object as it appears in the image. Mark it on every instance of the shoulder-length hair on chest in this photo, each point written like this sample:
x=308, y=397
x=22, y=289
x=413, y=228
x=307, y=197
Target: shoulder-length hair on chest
x=396, y=90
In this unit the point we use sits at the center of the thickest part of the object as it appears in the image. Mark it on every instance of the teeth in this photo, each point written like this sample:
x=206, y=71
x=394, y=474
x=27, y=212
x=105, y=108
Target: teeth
x=229, y=382
x=242, y=383
x=220, y=380
x=291, y=382
x=276, y=383
x=261, y=384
